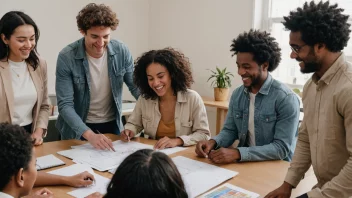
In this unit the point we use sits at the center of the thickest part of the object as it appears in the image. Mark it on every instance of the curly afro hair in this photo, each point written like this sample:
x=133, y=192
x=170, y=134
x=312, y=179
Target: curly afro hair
x=320, y=23
x=263, y=47
x=175, y=62
x=96, y=15
x=16, y=151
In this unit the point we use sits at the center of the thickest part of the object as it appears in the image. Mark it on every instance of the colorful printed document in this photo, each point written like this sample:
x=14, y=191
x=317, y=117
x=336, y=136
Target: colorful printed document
x=199, y=176
x=230, y=191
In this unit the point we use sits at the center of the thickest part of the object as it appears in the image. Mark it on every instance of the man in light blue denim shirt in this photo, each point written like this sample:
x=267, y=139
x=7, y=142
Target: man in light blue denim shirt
x=263, y=113
x=89, y=78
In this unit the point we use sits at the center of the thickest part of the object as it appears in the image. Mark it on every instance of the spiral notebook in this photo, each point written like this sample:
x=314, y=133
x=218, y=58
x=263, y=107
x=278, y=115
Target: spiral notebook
x=48, y=161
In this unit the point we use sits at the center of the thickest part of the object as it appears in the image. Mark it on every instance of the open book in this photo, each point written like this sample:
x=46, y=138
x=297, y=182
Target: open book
x=48, y=161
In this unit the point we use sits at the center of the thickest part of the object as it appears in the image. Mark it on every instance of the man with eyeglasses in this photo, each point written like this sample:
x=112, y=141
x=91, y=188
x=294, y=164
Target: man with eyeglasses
x=319, y=33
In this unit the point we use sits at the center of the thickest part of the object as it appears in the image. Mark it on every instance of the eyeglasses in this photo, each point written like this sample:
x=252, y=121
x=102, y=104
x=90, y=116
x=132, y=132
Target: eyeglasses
x=297, y=48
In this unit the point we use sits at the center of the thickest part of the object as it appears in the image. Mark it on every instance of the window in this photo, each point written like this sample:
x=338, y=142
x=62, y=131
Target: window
x=272, y=15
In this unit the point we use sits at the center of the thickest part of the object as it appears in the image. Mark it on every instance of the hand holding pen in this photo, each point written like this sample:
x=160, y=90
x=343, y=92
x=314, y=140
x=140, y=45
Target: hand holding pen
x=106, y=142
x=203, y=148
x=99, y=141
x=83, y=179
x=127, y=135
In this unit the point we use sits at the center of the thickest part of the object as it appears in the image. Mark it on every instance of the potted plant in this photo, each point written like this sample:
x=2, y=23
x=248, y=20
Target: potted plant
x=221, y=83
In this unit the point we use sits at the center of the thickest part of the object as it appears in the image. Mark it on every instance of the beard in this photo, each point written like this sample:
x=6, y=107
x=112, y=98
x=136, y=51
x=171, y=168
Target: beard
x=311, y=65
x=255, y=79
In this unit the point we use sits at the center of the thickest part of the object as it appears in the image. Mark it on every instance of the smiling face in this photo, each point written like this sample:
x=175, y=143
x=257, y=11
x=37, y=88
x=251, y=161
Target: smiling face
x=304, y=54
x=20, y=43
x=96, y=40
x=159, y=79
x=253, y=75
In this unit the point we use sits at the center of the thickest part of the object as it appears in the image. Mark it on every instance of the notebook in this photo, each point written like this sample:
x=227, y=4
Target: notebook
x=48, y=161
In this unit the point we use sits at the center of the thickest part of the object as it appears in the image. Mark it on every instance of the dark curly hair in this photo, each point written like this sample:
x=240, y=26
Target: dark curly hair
x=320, y=23
x=263, y=47
x=96, y=15
x=175, y=62
x=16, y=151
x=149, y=174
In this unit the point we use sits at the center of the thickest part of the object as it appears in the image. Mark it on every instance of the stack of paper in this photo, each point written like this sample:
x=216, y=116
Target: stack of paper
x=193, y=172
x=104, y=160
x=48, y=161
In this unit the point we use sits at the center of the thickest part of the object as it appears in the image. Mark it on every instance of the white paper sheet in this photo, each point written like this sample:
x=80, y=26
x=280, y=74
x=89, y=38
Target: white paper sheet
x=103, y=160
x=99, y=185
x=72, y=170
x=199, y=177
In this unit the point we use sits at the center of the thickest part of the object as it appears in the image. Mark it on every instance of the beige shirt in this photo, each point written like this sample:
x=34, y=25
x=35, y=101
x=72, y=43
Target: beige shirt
x=191, y=121
x=325, y=135
x=41, y=107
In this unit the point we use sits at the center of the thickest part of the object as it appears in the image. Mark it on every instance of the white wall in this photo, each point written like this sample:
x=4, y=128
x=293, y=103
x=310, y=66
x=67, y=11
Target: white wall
x=203, y=30
x=57, y=23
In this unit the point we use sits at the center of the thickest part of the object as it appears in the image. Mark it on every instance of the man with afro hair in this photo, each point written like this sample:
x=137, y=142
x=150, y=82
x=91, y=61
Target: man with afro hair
x=263, y=113
x=319, y=32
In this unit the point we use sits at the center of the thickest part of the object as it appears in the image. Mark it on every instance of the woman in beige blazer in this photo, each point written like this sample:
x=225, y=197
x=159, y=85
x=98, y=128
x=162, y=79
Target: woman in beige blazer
x=167, y=109
x=23, y=83
x=23, y=76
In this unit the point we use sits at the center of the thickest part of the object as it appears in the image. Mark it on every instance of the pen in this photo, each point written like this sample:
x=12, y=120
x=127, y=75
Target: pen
x=93, y=181
x=126, y=133
x=112, y=148
x=207, y=155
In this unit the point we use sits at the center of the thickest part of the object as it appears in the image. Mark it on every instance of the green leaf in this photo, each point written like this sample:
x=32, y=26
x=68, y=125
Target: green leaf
x=221, y=77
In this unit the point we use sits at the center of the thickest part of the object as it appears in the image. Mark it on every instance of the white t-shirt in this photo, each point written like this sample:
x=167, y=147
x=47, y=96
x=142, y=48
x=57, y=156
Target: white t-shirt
x=101, y=107
x=4, y=195
x=251, y=134
x=25, y=94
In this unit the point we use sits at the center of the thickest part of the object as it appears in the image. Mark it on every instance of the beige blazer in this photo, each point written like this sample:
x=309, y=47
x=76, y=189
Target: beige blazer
x=191, y=121
x=41, y=108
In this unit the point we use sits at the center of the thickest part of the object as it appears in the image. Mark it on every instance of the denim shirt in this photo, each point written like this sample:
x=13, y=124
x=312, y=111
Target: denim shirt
x=276, y=118
x=73, y=85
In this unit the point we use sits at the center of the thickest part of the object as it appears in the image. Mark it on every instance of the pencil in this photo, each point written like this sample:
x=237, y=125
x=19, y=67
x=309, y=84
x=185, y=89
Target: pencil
x=112, y=148
x=126, y=133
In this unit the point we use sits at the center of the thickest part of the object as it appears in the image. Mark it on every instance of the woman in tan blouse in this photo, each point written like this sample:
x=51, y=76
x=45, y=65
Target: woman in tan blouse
x=167, y=109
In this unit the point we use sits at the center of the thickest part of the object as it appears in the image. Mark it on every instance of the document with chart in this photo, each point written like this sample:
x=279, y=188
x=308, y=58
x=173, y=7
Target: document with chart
x=230, y=191
x=199, y=177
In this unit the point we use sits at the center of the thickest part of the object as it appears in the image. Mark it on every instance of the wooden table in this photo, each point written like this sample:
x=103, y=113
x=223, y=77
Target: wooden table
x=259, y=177
x=221, y=111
